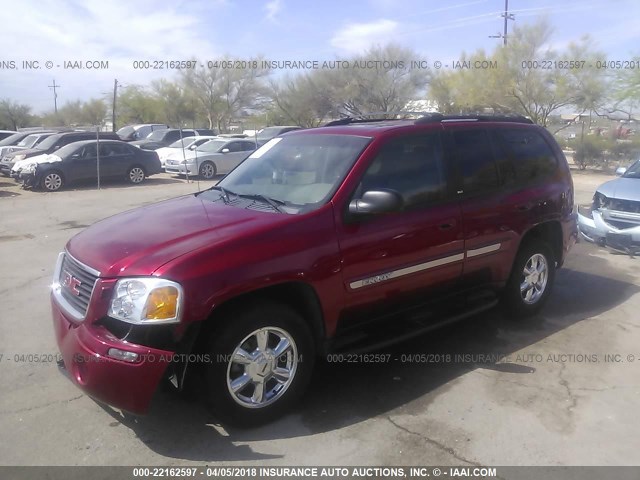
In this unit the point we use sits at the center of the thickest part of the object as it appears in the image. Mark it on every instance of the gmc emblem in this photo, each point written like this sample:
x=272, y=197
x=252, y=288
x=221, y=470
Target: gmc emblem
x=71, y=282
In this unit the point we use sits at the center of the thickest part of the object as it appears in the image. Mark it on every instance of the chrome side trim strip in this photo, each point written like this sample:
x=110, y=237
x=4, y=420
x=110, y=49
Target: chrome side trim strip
x=406, y=271
x=481, y=251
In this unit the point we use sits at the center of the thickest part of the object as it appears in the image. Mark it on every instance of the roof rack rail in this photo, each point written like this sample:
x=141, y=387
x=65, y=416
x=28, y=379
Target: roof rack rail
x=375, y=117
x=473, y=118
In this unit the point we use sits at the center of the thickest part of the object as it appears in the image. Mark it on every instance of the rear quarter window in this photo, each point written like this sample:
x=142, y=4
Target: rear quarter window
x=531, y=155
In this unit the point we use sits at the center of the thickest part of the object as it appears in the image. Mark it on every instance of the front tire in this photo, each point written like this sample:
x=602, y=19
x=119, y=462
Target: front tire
x=261, y=363
x=531, y=280
x=52, y=181
x=207, y=170
x=136, y=174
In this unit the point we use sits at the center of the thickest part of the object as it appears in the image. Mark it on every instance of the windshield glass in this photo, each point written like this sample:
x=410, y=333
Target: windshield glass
x=157, y=135
x=300, y=170
x=125, y=131
x=183, y=143
x=12, y=139
x=268, y=132
x=212, y=146
x=28, y=141
x=47, y=143
x=633, y=171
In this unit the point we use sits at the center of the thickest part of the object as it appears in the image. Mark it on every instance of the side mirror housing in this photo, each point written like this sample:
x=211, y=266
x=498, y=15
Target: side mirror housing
x=224, y=150
x=375, y=202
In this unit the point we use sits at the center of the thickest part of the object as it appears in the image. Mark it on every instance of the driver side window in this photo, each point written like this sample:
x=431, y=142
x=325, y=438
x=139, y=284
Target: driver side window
x=412, y=166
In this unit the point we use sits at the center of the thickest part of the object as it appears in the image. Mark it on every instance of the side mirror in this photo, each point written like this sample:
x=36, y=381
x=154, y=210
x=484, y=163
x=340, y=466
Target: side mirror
x=376, y=202
x=225, y=150
x=621, y=171
x=75, y=156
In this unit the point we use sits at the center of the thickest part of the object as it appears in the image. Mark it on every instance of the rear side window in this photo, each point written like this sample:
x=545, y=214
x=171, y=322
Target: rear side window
x=475, y=161
x=531, y=155
x=412, y=166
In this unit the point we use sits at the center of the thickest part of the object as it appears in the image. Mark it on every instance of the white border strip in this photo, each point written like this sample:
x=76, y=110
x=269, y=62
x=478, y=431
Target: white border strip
x=481, y=251
x=406, y=271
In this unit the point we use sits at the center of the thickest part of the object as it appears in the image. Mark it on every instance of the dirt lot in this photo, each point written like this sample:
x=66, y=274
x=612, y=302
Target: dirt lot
x=555, y=398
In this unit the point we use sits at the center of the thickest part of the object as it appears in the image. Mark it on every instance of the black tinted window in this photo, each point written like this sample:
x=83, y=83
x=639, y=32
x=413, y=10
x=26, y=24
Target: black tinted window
x=475, y=161
x=412, y=166
x=531, y=155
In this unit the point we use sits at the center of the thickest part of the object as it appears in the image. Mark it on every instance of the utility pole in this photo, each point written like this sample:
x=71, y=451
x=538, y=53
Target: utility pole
x=113, y=111
x=507, y=16
x=55, y=95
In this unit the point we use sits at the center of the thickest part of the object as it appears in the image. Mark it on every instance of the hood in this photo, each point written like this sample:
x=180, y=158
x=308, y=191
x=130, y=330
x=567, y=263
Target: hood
x=29, y=152
x=140, y=241
x=43, y=158
x=622, y=189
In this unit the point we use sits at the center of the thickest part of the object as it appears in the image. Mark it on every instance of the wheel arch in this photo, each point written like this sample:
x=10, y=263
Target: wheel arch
x=551, y=233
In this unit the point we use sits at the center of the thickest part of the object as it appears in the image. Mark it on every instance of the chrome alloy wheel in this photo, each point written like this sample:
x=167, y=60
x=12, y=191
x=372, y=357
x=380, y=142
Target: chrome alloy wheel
x=262, y=367
x=207, y=171
x=534, y=279
x=136, y=175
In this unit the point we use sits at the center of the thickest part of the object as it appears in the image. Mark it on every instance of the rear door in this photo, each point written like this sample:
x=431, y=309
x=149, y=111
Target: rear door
x=391, y=261
x=115, y=159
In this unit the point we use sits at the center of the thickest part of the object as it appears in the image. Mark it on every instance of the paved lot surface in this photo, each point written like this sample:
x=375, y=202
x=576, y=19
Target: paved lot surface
x=553, y=399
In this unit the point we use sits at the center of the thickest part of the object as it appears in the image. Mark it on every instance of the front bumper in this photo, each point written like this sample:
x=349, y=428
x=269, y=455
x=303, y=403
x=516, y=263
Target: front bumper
x=594, y=228
x=84, y=348
x=181, y=169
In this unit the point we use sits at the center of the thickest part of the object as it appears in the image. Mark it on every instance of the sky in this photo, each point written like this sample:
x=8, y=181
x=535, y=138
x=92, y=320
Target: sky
x=124, y=31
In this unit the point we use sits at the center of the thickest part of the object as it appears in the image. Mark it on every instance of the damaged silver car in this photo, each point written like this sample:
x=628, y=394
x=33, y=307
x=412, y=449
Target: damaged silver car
x=613, y=219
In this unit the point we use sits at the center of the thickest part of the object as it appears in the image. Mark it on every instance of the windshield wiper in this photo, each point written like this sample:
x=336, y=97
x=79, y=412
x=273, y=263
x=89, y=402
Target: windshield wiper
x=275, y=204
x=225, y=193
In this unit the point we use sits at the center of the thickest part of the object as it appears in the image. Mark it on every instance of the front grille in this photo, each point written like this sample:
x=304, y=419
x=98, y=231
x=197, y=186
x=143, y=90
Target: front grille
x=630, y=206
x=70, y=273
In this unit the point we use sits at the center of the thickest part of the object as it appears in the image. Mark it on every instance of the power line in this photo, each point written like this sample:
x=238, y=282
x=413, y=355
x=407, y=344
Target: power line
x=507, y=16
x=55, y=95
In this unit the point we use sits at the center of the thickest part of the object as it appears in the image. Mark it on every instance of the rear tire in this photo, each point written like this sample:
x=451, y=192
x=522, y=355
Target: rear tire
x=136, y=174
x=261, y=361
x=531, y=280
x=52, y=181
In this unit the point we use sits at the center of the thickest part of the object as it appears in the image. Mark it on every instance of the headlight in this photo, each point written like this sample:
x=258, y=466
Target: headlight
x=147, y=300
x=29, y=168
x=599, y=201
x=17, y=158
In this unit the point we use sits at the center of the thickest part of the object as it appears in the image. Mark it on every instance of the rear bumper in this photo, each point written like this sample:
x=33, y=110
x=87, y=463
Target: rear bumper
x=84, y=349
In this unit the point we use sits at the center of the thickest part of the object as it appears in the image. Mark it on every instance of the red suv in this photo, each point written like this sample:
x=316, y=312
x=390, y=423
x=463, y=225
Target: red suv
x=338, y=238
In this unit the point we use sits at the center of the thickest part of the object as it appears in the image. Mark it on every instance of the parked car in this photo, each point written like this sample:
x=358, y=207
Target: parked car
x=6, y=133
x=131, y=133
x=333, y=239
x=50, y=145
x=613, y=219
x=30, y=141
x=164, y=138
x=268, y=133
x=186, y=143
x=215, y=157
x=79, y=161
x=10, y=141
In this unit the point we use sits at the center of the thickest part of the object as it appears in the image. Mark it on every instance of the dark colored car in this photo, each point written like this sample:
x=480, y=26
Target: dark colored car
x=164, y=138
x=268, y=133
x=50, y=145
x=79, y=161
x=6, y=133
x=335, y=239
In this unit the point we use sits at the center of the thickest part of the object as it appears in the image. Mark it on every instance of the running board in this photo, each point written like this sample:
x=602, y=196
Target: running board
x=389, y=333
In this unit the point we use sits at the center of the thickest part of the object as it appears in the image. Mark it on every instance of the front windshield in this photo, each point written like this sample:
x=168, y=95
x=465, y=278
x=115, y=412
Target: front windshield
x=28, y=141
x=125, y=132
x=212, y=146
x=11, y=139
x=157, y=135
x=633, y=171
x=299, y=170
x=183, y=143
x=48, y=143
x=268, y=132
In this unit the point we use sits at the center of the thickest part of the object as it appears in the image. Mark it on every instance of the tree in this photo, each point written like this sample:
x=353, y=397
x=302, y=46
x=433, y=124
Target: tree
x=14, y=115
x=136, y=105
x=303, y=101
x=93, y=112
x=176, y=102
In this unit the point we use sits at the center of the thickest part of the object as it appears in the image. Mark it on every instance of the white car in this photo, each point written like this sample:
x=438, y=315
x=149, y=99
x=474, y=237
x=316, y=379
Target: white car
x=215, y=157
x=175, y=149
